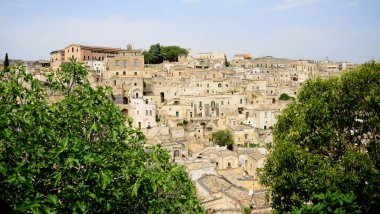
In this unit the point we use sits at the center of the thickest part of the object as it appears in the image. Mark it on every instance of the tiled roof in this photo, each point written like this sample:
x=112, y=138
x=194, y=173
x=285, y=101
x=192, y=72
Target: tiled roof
x=95, y=48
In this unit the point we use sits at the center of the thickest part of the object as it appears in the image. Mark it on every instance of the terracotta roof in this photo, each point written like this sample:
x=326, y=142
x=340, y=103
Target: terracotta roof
x=60, y=50
x=95, y=48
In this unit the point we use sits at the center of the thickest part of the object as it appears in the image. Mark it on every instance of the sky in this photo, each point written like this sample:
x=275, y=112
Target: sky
x=342, y=30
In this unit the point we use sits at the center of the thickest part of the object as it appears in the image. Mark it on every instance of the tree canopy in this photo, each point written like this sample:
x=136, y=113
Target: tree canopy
x=285, y=96
x=223, y=138
x=76, y=155
x=331, y=202
x=157, y=54
x=328, y=140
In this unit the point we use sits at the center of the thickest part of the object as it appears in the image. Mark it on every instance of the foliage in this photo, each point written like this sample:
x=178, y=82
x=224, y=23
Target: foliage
x=226, y=62
x=154, y=55
x=6, y=61
x=158, y=118
x=171, y=53
x=285, y=97
x=157, y=54
x=184, y=123
x=252, y=145
x=328, y=141
x=223, y=138
x=76, y=155
x=247, y=210
x=331, y=202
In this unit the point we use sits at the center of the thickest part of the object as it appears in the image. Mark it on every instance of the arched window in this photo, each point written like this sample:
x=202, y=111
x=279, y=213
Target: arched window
x=125, y=100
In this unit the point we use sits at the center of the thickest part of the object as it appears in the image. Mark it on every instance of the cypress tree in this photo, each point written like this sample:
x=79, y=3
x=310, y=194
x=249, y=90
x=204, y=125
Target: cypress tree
x=6, y=61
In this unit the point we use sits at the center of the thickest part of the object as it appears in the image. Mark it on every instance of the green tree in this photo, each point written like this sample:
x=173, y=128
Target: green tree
x=226, y=62
x=76, y=154
x=154, y=55
x=223, y=138
x=157, y=54
x=285, y=96
x=328, y=140
x=171, y=52
x=331, y=202
x=6, y=61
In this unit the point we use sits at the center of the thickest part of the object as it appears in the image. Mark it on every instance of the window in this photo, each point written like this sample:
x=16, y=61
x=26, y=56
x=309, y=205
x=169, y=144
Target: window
x=135, y=84
x=146, y=101
x=117, y=73
x=135, y=63
x=219, y=85
x=125, y=63
x=117, y=63
x=241, y=101
x=125, y=100
x=72, y=49
x=114, y=82
x=221, y=103
x=138, y=112
x=124, y=73
x=137, y=95
x=146, y=113
x=200, y=104
x=150, y=112
x=135, y=73
x=177, y=114
x=229, y=165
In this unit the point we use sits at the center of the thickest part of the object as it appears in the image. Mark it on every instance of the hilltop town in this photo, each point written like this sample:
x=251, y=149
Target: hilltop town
x=179, y=105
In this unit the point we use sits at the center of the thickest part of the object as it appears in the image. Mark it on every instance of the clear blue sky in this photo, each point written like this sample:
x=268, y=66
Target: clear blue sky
x=296, y=29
